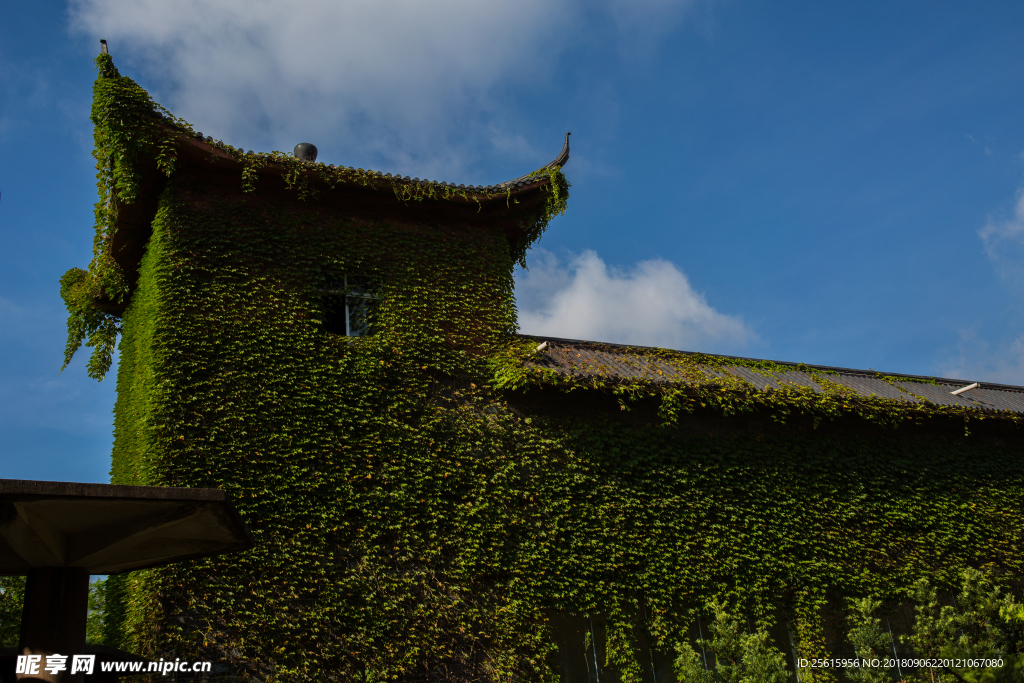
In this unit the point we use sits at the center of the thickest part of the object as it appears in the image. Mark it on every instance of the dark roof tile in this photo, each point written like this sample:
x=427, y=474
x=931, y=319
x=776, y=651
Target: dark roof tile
x=616, y=362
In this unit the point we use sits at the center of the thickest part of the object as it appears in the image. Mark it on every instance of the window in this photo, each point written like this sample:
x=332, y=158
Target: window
x=349, y=303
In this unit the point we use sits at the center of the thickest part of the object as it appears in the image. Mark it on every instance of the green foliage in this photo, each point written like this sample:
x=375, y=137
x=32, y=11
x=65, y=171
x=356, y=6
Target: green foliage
x=987, y=619
x=12, y=599
x=869, y=641
x=739, y=656
x=1012, y=671
x=87, y=324
x=417, y=517
x=115, y=606
x=130, y=131
x=981, y=623
x=689, y=665
x=325, y=491
x=411, y=521
x=511, y=368
x=687, y=382
x=94, y=627
x=555, y=203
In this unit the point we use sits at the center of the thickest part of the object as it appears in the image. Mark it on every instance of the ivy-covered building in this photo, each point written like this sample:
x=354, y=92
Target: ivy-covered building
x=435, y=496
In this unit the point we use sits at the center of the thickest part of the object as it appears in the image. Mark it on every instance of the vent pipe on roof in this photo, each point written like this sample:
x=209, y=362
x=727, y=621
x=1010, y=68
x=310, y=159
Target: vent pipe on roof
x=967, y=388
x=103, y=46
x=305, y=151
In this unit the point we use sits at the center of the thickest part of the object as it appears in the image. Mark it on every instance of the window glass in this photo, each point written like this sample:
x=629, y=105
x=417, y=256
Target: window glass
x=359, y=312
x=349, y=302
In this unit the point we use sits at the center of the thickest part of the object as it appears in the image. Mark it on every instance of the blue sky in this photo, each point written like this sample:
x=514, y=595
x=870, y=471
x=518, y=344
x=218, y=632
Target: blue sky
x=804, y=181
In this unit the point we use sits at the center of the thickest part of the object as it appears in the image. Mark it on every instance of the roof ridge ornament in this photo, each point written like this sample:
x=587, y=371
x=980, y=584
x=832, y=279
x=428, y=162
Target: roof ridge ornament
x=563, y=156
x=558, y=162
x=305, y=151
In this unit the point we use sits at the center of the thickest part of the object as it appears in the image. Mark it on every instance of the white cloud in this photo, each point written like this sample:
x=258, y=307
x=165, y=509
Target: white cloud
x=977, y=360
x=387, y=79
x=651, y=304
x=1004, y=242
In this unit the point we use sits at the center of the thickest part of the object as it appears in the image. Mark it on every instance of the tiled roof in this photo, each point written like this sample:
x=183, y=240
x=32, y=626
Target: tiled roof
x=523, y=182
x=586, y=360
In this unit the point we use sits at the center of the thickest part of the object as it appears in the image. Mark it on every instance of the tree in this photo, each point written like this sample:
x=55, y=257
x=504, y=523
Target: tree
x=97, y=612
x=740, y=657
x=982, y=623
x=869, y=641
x=12, y=599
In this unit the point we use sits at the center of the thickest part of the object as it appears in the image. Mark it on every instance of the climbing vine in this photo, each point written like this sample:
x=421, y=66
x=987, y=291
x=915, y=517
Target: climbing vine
x=686, y=382
x=133, y=132
x=420, y=512
x=129, y=132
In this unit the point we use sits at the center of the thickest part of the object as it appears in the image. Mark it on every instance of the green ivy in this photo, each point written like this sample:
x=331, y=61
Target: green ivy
x=12, y=600
x=419, y=511
x=686, y=382
x=94, y=626
x=130, y=130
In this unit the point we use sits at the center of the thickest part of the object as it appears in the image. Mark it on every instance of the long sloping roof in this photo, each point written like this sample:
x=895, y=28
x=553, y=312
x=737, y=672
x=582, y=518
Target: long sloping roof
x=575, y=359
